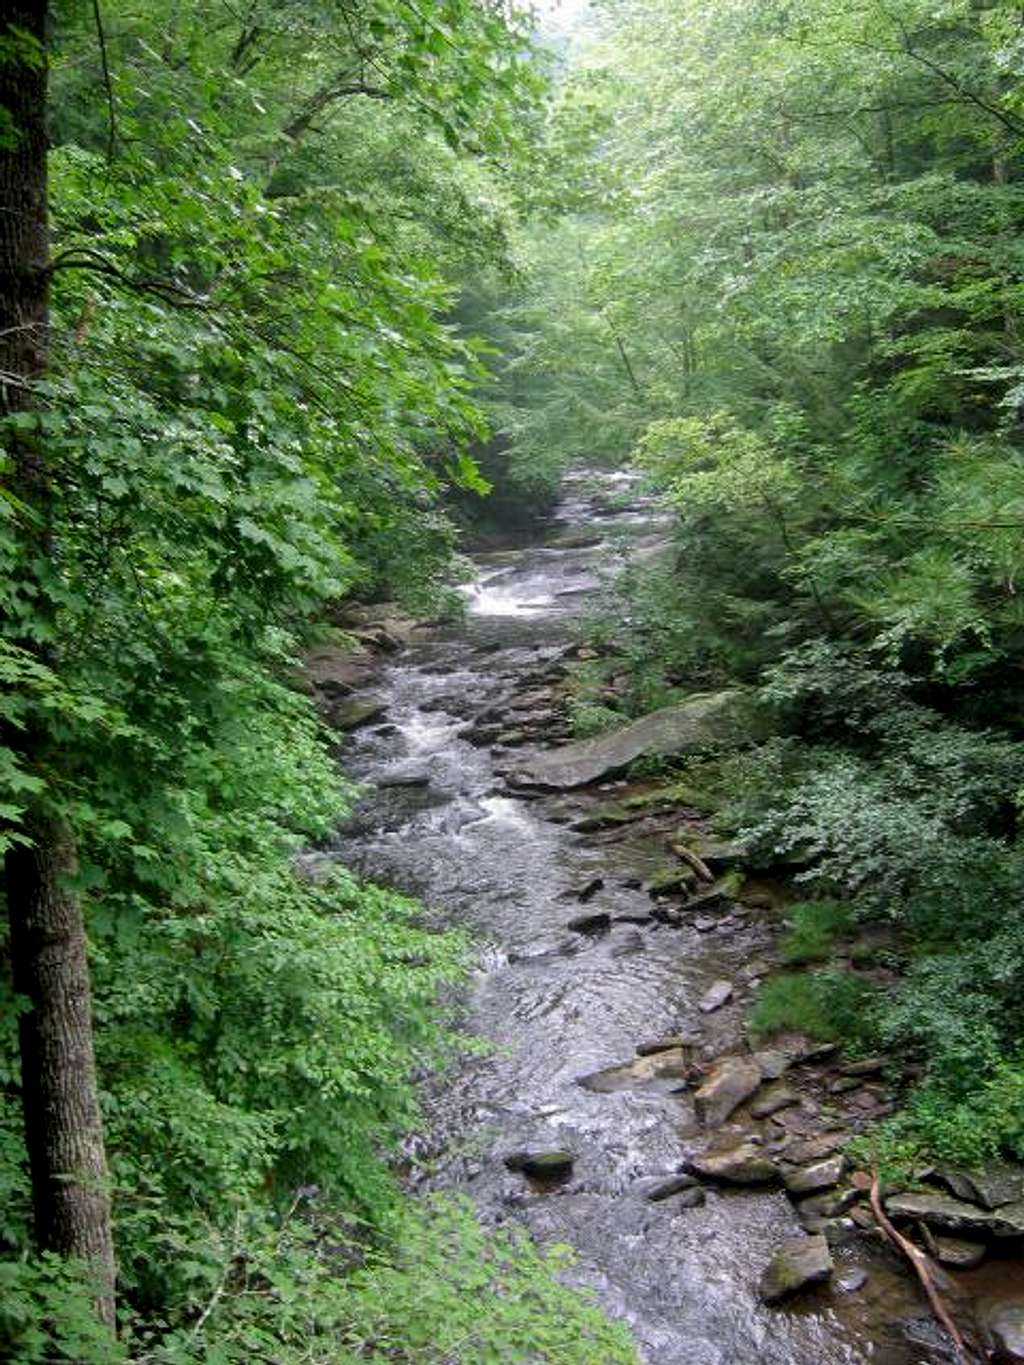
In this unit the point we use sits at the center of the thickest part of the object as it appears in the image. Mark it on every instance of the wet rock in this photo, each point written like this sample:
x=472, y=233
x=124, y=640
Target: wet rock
x=691, y=1199
x=744, y=1164
x=851, y=1280
x=716, y=996
x=830, y=1204
x=946, y=1214
x=867, y=1066
x=355, y=712
x=590, y=889
x=798, y=1264
x=773, y=1063
x=597, y=923
x=1003, y=1324
x=633, y=918
x=669, y=1066
x=704, y=924
x=954, y=1251
x=707, y=718
x=814, y=1148
x=663, y=1188
x=404, y=779
x=776, y=1097
x=678, y=1040
x=542, y=1165
x=822, y=1175
x=732, y=1081
x=628, y=945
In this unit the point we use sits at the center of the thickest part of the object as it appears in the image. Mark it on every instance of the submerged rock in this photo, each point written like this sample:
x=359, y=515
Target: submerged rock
x=710, y=718
x=732, y=1081
x=960, y=1254
x=798, y=1264
x=598, y=922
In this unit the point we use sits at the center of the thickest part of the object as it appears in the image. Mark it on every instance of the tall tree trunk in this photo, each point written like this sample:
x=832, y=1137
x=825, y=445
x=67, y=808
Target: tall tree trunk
x=63, y=1128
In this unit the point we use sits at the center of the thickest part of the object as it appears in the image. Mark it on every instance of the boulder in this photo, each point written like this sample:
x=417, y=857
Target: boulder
x=1003, y=1324
x=775, y=1097
x=355, y=712
x=549, y=1165
x=822, y=1175
x=703, y=720
x=715, y=997
x=659, y=1188
x=946, y=1214
x=772, y=1062
x=659, y=1070
x=992, y=1187
x=598, y=922
x=798, y=1264
x=814, y=1148
x=744, y=1164
x=732, y=1081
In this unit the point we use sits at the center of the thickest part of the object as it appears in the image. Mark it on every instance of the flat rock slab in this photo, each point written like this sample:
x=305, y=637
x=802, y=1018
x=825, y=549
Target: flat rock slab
x=992, y=1187
x=677, y=1040
x=711, y=718
x=798, y=1264
x=665, y=1069
x=658, y=1188
x=946, y=1214
x=745, y=1164
x=732, y=1081
x=775, y=1097
x=718, y=994
x=954, y=1251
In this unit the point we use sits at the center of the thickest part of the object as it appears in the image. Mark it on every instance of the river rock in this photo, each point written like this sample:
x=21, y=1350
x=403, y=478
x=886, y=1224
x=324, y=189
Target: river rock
x=1003, y=1325
x=660, y=1188
x=355, y=712
x=772, y=1062
x=822, y=1175
x=691, y=1199
x=710, y=718
x=732, y=1081
x=851, y=1280
x=666, y=1069
x=992, y=1187
x=798, y=1264
x=815, y=1148
x=744, y=1164
x=956, y=1252
x=716, y=996
x=954, y=1215
x=589, y=889
x=599, y=922
x=547, y=1165
x=776, y=1097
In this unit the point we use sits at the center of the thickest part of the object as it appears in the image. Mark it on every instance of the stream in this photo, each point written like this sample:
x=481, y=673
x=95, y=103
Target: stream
x=506, y=865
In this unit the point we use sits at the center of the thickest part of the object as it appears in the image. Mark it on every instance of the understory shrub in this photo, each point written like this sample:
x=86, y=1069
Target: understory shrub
x=832, y=1004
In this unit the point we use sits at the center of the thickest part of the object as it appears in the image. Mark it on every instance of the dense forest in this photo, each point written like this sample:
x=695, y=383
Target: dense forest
x=301, y=302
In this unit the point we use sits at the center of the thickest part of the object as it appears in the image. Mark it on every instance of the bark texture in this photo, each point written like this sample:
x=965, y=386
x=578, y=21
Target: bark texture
x=63, y=1128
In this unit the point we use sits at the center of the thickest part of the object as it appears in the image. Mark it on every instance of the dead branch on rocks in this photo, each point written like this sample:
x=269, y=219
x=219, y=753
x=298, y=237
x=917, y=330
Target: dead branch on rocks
x=924, y=1271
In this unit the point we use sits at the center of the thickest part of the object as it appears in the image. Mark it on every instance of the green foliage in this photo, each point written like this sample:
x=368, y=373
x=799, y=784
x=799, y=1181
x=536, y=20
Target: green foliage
x=305, y=1288
x=833, y=1005
x=812, y=928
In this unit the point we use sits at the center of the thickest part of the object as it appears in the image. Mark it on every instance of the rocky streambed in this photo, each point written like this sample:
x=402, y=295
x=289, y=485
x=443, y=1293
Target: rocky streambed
x=704, y=1183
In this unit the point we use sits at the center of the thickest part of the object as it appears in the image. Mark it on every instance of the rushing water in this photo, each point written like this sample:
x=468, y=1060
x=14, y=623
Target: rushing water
x=440, y=823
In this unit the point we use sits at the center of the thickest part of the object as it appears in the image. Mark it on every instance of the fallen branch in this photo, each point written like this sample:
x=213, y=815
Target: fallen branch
x=698, y=864
x=923, y=1269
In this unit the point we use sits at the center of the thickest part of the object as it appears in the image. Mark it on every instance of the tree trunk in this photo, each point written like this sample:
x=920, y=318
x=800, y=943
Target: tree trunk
x=63, y=1129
